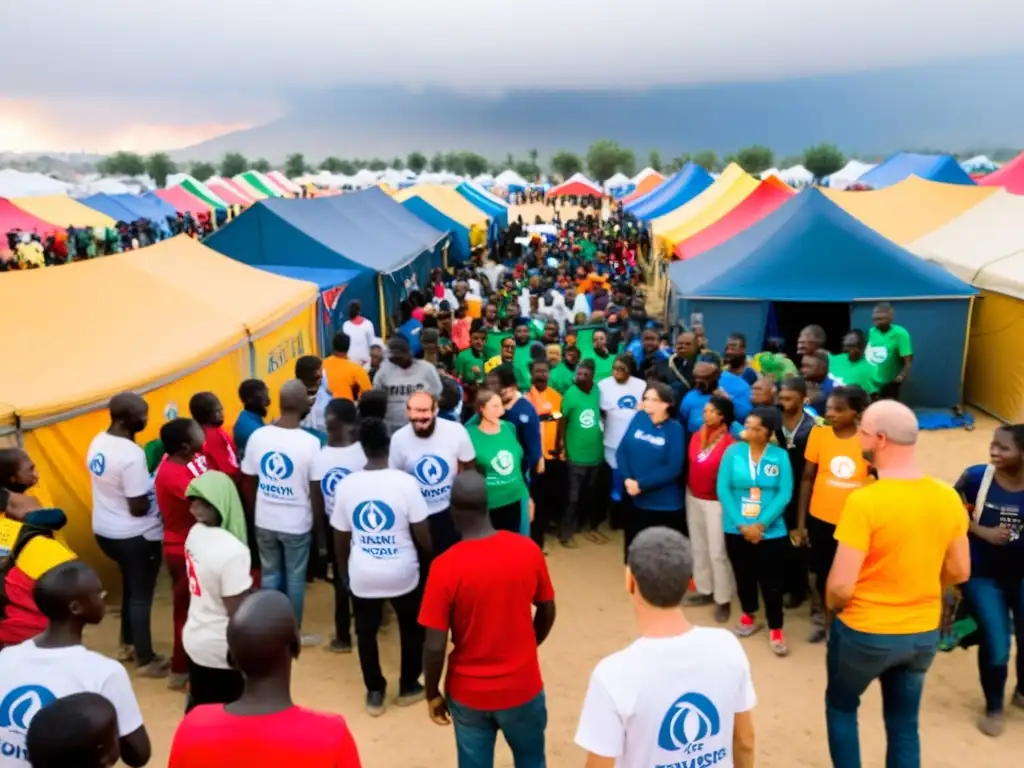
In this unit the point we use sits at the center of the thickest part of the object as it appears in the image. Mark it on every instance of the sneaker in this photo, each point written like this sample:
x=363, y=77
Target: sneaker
x=992, y=724
x=340, y=645
x=411, y=696
x=817, y=635
x=1018, y=699
x=569, y=543
x=309, y=641
x=375, y=703
x=126, y=653
x=778, y=643
x=746, y=626
x=722, y=613
x=178, y=681
x=157, y=669
x=696, y=598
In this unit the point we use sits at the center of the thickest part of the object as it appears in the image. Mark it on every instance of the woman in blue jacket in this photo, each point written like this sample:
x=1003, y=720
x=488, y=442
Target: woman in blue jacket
x=650, y=459
x=755, y=483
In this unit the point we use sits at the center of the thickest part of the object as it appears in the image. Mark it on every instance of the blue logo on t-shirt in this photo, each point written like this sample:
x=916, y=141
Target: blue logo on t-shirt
x=431, y=470
x=98, y=465
x=276, y=466
x=20, y=705
x=690, y=720
x=330, y=481
x=627, y=402
x=373, y=517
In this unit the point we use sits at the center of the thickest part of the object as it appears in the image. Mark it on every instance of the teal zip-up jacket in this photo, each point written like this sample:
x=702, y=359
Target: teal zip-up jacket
x=774, y=481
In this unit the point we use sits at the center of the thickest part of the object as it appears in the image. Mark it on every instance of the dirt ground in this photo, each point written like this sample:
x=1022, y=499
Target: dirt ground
x=595, y=619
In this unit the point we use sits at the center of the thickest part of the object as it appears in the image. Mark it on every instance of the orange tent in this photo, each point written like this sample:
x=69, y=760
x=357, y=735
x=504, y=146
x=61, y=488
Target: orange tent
x=647, y=184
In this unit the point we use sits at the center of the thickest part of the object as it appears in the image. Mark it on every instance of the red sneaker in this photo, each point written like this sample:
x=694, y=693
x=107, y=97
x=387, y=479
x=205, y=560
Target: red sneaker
x=778, y=643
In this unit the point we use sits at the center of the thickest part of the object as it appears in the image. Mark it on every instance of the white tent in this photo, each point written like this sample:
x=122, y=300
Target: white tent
x=796, y=176
x=510, y=180
x=365, y=178
x=773, y=171
x=648, y=171
x=483, y=180
x=484, y=193
x=979, y=164
x=616, y=181
x=284, y=182
x=30, y=184
x=848, y=174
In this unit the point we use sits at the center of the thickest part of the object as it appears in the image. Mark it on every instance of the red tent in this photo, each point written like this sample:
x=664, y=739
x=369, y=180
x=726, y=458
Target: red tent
x=1010, y=176
x=766, y=197
x=182, y=200
x=576, y=185
x=12, y=217
x=227, y=194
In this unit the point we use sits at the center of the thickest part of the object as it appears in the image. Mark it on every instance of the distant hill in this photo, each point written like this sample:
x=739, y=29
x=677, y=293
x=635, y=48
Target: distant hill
x=951, y=104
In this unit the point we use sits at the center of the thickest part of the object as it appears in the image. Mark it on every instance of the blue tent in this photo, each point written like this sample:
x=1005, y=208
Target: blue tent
x=130, y=208
x=903, y=164
x=332, y=284
x=497, y=212
x=682, y=187
x=329, y=234
x=810, y=250
x=111, y=207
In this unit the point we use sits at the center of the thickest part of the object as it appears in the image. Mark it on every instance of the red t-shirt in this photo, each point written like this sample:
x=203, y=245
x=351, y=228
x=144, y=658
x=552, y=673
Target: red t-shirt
x=170, y=484
x=483, y=591
x=210, y=737
x=220, y=452
x=703, y=475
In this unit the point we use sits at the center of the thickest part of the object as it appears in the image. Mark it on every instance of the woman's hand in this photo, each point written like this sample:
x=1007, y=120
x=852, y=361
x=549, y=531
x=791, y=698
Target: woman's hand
x=997, y=535
x=632, y=487
x=533, y=509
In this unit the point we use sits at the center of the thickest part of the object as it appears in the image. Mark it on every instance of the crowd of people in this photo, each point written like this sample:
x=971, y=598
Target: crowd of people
x=523, y=402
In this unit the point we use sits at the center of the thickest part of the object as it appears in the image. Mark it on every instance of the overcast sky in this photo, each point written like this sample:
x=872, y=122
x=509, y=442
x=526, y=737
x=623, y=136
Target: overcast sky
x=126, y=67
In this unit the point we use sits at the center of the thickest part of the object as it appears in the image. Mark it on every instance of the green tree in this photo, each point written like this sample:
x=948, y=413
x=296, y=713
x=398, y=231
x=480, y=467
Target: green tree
x=332, y=164
x=755, y=159
x=627, y=163
x=654, y=160
x=159, y=166
x=790, y=160
x=677, y=163
x=605, y=157
x=348, y=168
x=122, y=164
x=823, y=160
x=294, y=165
x=377, y=164
x=474, y=164
x=533, y=155
x=232, y=164
x=527, y=169
x=398, y=163
x=263, y=165
x=706, y=159
x=416, y=161
x=437, y=162
x=455, y=163
x=566, y=163
x=203, y=171
x=510, y=161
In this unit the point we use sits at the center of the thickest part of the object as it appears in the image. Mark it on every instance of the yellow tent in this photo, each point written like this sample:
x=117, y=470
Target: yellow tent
x=723, y=187
x=911, y=208
x=387, y=188
x=62, y=211
x=715, y=209
x=453, y=205
x=166, y=321
x=985, y=246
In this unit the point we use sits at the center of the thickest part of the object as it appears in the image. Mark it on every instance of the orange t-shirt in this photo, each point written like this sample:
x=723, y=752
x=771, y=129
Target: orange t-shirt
x=841, y=471
x=344, y=376
x=546, y=403
x=904, y=527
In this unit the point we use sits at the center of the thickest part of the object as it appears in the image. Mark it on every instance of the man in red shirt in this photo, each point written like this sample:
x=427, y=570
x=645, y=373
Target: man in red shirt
x=264, y=727
x=482, y=591
x=218, y=446
x=183, y=461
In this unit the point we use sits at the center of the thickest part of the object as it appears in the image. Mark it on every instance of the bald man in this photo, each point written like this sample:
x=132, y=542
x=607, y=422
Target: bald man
x=276, y=474
x=261, y=727
x=901, y=541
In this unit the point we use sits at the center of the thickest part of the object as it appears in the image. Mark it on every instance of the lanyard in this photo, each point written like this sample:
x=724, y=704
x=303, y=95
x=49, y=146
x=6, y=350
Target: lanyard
x=755, y=469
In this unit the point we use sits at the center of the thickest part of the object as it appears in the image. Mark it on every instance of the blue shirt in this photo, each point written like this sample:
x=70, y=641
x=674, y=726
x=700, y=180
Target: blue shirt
x=691, y=410
x=755, y=493
x=653, y=455
x=1002, y=507
x=248, y=422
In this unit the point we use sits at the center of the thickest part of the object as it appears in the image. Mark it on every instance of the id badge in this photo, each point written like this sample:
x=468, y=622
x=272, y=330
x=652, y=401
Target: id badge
x=750, y=506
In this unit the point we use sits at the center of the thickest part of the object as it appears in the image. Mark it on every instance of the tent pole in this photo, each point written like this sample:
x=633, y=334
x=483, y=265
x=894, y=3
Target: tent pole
x=967, y=344
x=383, y=309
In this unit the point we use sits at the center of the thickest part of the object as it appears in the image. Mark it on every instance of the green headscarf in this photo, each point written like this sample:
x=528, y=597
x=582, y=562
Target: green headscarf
x=219, y=491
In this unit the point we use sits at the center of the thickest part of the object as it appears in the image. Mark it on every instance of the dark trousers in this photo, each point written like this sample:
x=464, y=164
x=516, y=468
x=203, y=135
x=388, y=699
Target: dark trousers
x=636, y=520
x=207, y=685
x=138, y=560
x=443, y=533
x=797, y=578
x=368, y=612
x=180, y=596
x=890, y=391
x=823, y=546
x=583, y=498
x=549, y=494
x=508, y=517
x=761, y=565
x=992, y=602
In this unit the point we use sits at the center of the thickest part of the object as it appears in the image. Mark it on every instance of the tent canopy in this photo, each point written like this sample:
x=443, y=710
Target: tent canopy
x=715, y=209
x=511, y=181
x=898, y=167
x=644, y=186
x=675, y=192
x=182, y=200
x=321, y=278
x=227, y=194
x=284, y=182
x=63, y=212
x=1010, y=176
x=12, y=217
x=576, y=185
x=114, y=208
x=732, y=178
x=446, y=200
x=111, y=348
x=485, y=202
x=848, y=174
x=445, y=209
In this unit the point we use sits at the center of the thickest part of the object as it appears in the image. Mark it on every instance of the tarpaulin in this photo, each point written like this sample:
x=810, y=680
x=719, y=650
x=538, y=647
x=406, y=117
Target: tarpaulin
x=645, y=186
x=445, y=209
x=63, y=212
x=902, y=165
x=709, y=214
x=196, y=188
x=1010, y=176
x=182, y=200
x=254, y=180
x=284, y=182
x=722, y=187
x=995, y=366
x=576, y=185
x=229, y=195
x=678, y=190
x=12, y=217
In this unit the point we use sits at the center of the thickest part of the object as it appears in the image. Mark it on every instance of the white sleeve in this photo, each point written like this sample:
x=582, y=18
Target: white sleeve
x=395, y=458
x=746, y=698
x=339, y=515
x=434, y=381
x=466, y=451
x=136, y=479
x=417, y=505
x=250, y=464
x=236, y=577
x=117, y=689
x=601, y=730
x=318, y=471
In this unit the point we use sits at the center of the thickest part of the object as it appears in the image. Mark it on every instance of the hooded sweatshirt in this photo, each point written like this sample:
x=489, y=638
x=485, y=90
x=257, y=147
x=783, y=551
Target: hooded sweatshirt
x=219, y=491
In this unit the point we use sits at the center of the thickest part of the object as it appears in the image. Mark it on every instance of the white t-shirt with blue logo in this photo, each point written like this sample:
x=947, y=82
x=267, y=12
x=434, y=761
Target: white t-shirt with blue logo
x=334, y=464
x=668, y=701
x=32, y=677
x=282, y=462
x=378, y=507
x=433, y=461
x=619, y=403
x=118, y=472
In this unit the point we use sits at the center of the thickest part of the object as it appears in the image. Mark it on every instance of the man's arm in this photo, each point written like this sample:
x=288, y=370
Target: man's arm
x=435, y=644
x=596, y=761
x=843, y=577
x=421, y=533
x=956, y=567
x=342, y=547
x=135, y=747
x=543, y=620
x=743, y=740
x=806, y=484
x=316, y=501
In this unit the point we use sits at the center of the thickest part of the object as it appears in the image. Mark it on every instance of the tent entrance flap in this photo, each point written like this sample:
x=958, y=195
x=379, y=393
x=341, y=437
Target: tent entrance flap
x=787, y=318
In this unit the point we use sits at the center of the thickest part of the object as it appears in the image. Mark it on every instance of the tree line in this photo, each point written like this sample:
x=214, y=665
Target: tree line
x=603, y=159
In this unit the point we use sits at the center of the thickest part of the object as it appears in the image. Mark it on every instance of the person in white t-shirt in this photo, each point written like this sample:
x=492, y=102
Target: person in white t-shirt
x=127, y=524
x=680, y=694
x=55, y=664
x=379, y=522
x=620, y=399
x=433, y=451
x=219, y=568
x=360, y=333
x=276, y=474
x=342, y=456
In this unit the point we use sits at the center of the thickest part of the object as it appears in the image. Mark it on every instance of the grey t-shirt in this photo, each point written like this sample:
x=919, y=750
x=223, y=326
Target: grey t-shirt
x=399, y=383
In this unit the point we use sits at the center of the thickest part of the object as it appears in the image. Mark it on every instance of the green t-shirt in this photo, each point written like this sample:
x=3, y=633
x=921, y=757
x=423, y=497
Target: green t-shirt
x=499, y=457
x=584, y=436
x=492, y=346
x=521, y=363
x=562, y=377
x=602, y=365
x=466, y=361
x=846, y=373
x=886, y=351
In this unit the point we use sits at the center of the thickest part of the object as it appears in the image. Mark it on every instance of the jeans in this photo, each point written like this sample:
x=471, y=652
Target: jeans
x=991, y=602
x=368, y=612
x=900, y=663
x=476, y=732
x=284, y=558
x=138, y=559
